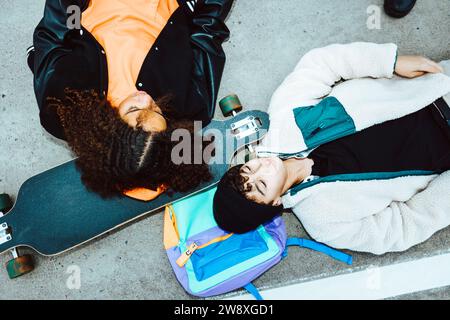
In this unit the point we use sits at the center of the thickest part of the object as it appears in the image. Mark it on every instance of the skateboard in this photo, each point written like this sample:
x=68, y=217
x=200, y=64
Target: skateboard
x=54, y=212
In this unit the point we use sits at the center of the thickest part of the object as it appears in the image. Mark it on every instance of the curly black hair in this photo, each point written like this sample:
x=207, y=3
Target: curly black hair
x=114, y=157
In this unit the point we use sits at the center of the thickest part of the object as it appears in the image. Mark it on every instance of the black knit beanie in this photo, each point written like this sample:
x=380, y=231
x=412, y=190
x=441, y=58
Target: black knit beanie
x=235, y=213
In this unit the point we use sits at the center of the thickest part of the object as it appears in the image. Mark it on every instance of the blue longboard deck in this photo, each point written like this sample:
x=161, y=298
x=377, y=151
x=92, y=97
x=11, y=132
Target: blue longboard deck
x=54, y=212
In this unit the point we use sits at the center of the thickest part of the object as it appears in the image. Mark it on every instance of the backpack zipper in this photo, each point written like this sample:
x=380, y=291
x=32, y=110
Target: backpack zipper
x=185, y=256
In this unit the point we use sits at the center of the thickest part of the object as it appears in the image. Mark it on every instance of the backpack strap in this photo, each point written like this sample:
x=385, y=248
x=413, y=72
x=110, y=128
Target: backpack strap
x=253, y=291
x=313, y=245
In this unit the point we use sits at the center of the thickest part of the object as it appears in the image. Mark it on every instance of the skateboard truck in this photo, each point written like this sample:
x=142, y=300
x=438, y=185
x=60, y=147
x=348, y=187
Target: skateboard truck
x=5, y=236
x=18, y=265
x=231, y=105
x=245, y=127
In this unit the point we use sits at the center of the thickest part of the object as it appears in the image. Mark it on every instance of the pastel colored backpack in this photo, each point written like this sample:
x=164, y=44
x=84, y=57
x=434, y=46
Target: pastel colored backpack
x=208, y=261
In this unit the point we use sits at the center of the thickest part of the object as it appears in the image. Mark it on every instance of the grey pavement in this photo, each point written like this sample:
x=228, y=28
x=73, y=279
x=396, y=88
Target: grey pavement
x=268, y=38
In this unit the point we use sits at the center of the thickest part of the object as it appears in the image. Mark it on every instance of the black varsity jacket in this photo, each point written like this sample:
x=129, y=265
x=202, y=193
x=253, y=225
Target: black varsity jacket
x=186, y=60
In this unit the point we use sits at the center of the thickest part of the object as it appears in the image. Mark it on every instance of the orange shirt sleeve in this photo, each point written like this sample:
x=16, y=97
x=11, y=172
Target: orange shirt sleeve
x=144, y=194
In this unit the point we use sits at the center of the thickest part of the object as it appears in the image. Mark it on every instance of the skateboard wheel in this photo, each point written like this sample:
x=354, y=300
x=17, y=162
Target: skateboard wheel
x=229, y=104
x=5, y=202
x=19, y=266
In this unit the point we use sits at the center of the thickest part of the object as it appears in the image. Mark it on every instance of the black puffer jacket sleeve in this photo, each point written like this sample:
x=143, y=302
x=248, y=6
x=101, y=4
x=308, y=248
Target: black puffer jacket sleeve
x=51, y=34
x=208, y=33
x=50, y=48
x=55, y=64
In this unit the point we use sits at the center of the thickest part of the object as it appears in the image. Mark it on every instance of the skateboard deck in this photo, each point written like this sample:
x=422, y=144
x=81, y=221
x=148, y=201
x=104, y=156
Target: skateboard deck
x=54, y=212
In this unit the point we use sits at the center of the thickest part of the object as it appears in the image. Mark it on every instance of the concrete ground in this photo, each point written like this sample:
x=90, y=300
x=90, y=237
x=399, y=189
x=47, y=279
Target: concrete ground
x=268, y=38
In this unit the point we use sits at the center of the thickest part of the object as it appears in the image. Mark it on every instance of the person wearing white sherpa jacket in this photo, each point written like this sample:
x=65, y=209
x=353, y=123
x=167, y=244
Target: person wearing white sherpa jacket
x=335, y=96
x=374, y=215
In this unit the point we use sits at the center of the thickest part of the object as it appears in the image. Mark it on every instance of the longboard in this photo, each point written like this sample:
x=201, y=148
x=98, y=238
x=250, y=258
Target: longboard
x=54, y=212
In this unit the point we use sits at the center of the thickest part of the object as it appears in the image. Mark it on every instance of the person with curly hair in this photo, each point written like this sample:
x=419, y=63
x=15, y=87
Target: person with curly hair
x=118, y=157
x=116, y=86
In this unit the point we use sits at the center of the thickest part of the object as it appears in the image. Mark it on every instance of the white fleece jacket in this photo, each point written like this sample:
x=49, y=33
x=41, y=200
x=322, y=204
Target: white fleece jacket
x=374, y=216
x=370, y=95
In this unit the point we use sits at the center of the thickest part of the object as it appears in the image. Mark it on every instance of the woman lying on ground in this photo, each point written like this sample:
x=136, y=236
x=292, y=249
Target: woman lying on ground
x=116, y=86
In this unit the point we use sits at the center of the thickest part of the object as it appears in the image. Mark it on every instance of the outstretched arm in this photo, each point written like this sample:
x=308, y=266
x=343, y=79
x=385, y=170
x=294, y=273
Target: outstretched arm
x=320, y=69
